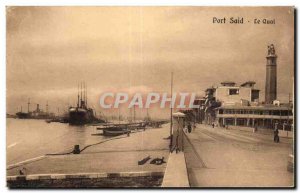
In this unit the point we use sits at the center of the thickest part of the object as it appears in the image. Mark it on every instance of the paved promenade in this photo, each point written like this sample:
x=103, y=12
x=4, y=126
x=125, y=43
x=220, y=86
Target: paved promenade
x=118, y=155
x=232, y=158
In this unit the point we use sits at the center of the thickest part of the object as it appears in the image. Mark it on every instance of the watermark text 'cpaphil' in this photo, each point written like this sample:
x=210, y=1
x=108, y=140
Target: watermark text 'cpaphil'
x=139, y=100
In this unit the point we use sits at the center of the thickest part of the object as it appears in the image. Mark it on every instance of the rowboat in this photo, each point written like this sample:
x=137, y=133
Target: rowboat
x=115, y=131
x=120, y=129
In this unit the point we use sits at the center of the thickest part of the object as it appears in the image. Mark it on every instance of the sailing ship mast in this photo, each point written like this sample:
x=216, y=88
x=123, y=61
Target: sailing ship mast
x=133, y=113
x=130, y=115
x=148, y=117
x=47, y=107
x=86, y=95
x=119, y=115
x=81, y=95
x=28, y=105
x=78, y=97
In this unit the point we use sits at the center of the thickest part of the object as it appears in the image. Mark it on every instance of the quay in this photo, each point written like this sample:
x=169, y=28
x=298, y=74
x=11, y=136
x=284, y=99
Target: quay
x=116, y=159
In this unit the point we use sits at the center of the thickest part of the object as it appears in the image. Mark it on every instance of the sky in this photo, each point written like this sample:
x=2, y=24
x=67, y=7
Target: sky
x=134, y=49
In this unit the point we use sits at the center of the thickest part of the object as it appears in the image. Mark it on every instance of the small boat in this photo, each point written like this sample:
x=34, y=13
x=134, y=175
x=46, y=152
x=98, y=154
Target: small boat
x=120, y=129
x=115, y=131
x=129, y=126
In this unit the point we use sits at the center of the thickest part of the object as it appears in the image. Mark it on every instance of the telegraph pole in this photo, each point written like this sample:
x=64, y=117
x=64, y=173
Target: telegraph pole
x=171, y=112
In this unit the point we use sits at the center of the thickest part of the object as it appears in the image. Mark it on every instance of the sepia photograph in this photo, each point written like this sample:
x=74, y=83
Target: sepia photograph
x=150, y=97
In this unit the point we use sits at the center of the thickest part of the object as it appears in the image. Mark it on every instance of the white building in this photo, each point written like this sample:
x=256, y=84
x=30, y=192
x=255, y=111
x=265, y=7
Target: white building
x=231, y=94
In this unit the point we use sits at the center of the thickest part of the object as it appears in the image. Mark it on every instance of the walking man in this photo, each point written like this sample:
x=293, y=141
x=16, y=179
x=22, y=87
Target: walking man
x=189, y=127
x=194, y=126
x=276, y=132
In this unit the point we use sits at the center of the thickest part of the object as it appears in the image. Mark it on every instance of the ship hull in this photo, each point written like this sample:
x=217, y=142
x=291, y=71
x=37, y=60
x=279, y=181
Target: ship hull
x=80, y=116
x=21, y=115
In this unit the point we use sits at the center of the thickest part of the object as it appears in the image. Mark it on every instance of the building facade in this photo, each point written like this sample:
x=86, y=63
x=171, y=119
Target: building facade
x=265, y=116
x=240, y=105
x=231, y=94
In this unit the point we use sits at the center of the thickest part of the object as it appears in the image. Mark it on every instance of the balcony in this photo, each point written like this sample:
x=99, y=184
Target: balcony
x=254, y=116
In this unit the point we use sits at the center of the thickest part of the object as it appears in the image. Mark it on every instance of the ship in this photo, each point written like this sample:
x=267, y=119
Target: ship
x=82, y=114
x=35, y=114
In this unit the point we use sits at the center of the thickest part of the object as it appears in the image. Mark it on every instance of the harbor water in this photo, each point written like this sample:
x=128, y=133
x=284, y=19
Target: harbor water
x=29, y=138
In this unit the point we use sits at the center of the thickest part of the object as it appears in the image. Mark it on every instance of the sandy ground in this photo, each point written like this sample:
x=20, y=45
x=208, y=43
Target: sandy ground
x=119, y=155
x=232, y=158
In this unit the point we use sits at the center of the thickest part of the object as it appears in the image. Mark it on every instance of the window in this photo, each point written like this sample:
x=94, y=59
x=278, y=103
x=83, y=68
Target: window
x=248, y=112
x=284, y=113
x=256, y=112
x=276, y=112
x=233, y=91
x=266, y=112
x=230, y=111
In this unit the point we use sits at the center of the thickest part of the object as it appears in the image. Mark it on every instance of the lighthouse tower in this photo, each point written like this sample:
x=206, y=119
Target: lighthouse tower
x=271, y=76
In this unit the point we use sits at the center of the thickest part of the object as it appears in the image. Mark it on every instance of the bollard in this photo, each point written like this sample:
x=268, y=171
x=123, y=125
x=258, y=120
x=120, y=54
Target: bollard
x=76, y=149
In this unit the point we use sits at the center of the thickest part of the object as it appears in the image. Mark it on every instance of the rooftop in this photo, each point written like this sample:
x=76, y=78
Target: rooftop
x=248, y=83
x=228, y=83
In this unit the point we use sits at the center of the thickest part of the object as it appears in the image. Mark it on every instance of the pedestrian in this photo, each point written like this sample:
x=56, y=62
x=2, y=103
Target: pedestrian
x=194, y=126
x=189, y=127
x=276, y=136
x=254, y=128
x=276, y=133
x=23, y=171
